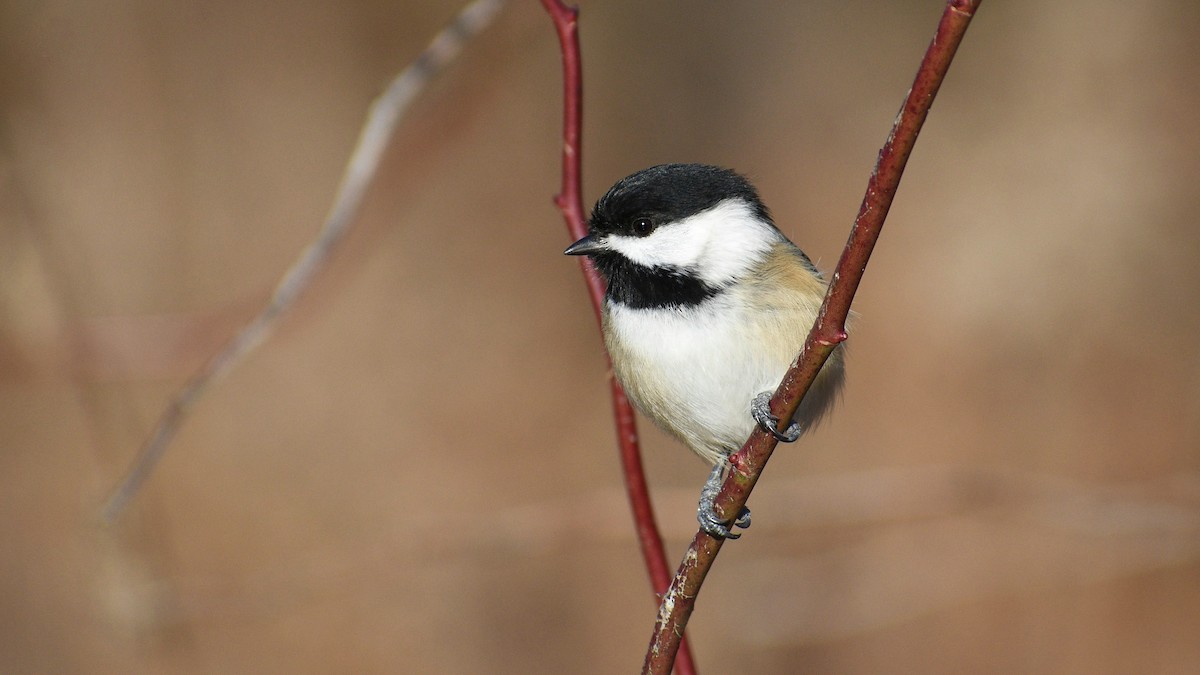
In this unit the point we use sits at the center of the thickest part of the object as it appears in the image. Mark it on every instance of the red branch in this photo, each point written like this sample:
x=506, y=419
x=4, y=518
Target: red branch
x=570, y=202
x=828, y=331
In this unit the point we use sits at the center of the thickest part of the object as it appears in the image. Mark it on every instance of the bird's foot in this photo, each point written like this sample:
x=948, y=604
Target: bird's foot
x=709, y=522
x=760, y=408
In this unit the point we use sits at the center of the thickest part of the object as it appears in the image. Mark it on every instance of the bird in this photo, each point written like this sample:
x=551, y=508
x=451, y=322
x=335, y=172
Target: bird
x=706, y=305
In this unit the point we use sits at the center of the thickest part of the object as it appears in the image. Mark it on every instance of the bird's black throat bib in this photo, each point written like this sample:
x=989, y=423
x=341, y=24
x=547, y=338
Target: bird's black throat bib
x=640, y=287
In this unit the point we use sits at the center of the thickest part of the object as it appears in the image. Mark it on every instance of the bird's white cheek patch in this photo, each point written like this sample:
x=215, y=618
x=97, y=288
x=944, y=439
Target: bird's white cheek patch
x=735, y=241
x=671, y=245
x=718, y=245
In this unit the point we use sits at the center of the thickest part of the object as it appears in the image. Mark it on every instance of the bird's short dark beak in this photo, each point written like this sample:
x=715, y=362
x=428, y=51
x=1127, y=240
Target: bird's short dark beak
x=586, y=246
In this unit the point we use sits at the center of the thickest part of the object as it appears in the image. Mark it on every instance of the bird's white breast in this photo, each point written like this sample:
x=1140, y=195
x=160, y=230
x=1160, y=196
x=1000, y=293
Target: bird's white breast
x=695, y=370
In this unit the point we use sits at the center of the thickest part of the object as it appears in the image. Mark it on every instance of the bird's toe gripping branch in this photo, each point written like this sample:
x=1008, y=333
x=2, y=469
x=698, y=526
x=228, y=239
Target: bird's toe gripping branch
x=705, y=513
x=761, y=410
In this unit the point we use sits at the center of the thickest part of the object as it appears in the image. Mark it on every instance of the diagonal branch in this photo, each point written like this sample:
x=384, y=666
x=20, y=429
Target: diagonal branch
x=377, y=131
x=828, y=331
x=570, y=202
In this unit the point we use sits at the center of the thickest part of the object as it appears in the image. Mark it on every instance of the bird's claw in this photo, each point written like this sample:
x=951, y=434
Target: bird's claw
x=760, y=408
x=707, y=516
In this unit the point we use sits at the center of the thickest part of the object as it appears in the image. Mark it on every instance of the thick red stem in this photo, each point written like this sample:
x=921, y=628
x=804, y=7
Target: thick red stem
x=828, y=331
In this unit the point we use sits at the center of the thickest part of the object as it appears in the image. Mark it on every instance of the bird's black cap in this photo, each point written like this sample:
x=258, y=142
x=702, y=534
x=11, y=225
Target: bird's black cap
x=670, y=192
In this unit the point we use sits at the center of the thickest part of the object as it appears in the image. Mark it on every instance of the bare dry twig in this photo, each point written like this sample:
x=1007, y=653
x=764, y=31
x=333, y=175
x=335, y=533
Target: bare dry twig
x=384, y=115
x=570, y=202
x=828, y=331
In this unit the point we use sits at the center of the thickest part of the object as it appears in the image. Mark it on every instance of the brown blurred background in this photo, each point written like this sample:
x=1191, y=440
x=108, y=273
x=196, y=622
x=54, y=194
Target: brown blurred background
x=417, y=474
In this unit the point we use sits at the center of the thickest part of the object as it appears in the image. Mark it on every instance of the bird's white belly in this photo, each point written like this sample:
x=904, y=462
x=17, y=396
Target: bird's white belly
x=693, y=371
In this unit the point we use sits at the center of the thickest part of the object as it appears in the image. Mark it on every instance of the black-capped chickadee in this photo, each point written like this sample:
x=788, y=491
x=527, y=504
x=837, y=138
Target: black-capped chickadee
x=707, y=304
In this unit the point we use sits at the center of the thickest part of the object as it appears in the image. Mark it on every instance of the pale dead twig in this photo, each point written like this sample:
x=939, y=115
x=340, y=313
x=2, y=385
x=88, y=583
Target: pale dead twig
x=384, y=115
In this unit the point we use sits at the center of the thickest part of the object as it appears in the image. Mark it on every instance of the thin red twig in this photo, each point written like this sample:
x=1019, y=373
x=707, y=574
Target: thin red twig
x=828, y=331
x=570, y=202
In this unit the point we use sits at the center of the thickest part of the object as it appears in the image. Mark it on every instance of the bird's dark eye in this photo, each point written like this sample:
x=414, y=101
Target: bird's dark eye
x=642, y=227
